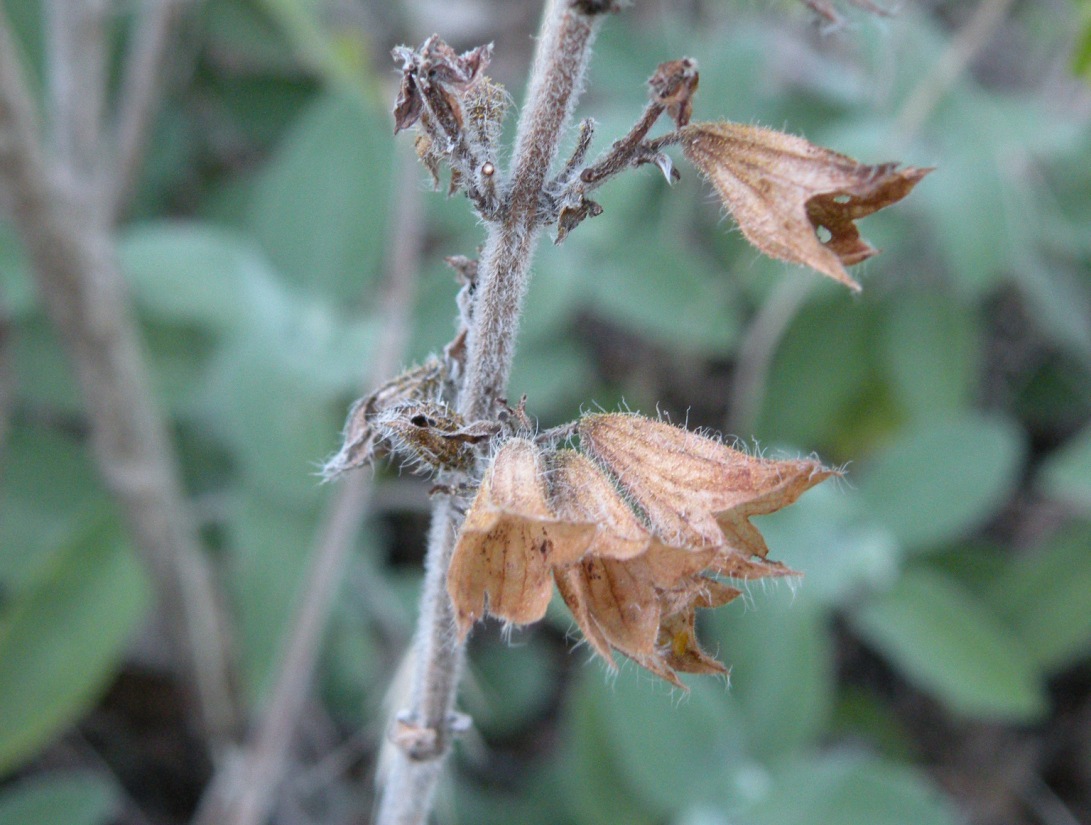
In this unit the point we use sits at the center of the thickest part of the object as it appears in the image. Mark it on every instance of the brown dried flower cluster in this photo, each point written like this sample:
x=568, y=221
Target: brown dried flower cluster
x=781, y=190
x=635, y=530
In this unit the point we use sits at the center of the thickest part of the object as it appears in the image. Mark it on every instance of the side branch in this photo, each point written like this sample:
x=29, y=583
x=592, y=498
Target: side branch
x=139, y=94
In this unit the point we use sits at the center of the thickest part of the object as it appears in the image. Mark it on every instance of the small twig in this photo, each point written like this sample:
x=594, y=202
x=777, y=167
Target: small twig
x=77, y=65
x=625, y=151
x=758, y=348
x=139, y=95
x=245, y=794
x=972, y=38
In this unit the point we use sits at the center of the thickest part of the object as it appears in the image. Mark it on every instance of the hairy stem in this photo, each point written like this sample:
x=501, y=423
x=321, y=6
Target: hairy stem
x=561, y=59
x=564, y=44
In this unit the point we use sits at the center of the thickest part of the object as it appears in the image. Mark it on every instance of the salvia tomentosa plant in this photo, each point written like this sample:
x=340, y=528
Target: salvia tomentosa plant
x=641, y=522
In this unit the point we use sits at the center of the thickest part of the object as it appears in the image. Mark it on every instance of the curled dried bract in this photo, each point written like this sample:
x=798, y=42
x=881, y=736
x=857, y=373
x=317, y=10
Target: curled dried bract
x=695, y=491
x=781, y=190
x=361, y=438
x=633, y=532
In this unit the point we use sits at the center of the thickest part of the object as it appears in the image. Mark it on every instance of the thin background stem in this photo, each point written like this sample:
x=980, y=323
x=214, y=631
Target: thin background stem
x=972, y=38
x=140, y=93
x=59, y=211
x=244, y=794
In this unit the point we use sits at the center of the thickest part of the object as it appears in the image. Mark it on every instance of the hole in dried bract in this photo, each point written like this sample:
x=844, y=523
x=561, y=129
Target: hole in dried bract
x=841, y=198
x=823, y=233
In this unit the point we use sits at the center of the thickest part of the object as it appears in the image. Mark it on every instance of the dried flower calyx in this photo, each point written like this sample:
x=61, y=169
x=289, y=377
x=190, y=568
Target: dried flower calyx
x=407, y=416
x=459, y=112
x=635, y=529
x=782, y=190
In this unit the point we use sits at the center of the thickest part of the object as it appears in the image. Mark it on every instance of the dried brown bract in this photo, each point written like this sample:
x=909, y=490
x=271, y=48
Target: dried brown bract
x=361, y=438
x=633, y=530
x=510, y=541
x=673, y=85
x=432, y=435
x=781, y=190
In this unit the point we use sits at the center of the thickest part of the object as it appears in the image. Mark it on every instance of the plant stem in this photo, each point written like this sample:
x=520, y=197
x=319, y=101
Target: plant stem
x=564, y=43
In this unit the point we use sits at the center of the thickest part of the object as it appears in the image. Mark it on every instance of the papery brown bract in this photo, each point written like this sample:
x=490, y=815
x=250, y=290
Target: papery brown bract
x=580, y=493
x=631, y=529
x=432, y=435
x=510, y=542
x=692, y=487
x=361, y=438
x=781, y=189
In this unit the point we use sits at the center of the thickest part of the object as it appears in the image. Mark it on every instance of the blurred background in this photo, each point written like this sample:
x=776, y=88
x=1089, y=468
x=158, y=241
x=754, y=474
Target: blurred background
x=280, y=248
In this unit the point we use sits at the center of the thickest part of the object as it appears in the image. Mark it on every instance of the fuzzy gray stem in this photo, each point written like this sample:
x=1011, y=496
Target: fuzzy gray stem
x=563, y=51
x=504, y=273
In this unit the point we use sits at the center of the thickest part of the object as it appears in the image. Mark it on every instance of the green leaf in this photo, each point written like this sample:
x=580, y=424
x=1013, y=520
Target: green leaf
x=671, y=753
x=1081, y=55
x=1066, y=474
x=590, y=778
x=931, y=353
x=320, y=206
x=781, y=660
x=944, y=640
x=826, y=538
x=515, y=683
x=847, y=790
x=276, y=394
x=15, y=285
x=819, y=370
x=194, y=273
x=938, y=483
x=650, y=282
x=61, y=639
x=555, y=375
x=45, y=379
x=339, y=56
x=1043, y=595
x=71, y=798
x=49, y=491
x=270, y=545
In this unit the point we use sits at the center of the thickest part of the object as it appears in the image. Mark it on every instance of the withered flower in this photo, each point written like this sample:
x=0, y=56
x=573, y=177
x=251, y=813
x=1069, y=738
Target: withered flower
x=631, y=532
x=432, y=67
x=781, y=190
x=695, y=491
x=360, y=438
x=510, y=541
x=432, y=434
x=673, y=86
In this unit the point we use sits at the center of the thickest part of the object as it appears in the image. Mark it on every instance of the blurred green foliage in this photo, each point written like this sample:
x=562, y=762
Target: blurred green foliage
x=957, y=390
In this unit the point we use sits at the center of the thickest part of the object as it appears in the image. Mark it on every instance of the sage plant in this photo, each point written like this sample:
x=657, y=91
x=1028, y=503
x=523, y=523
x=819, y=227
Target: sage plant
x=636, y=522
